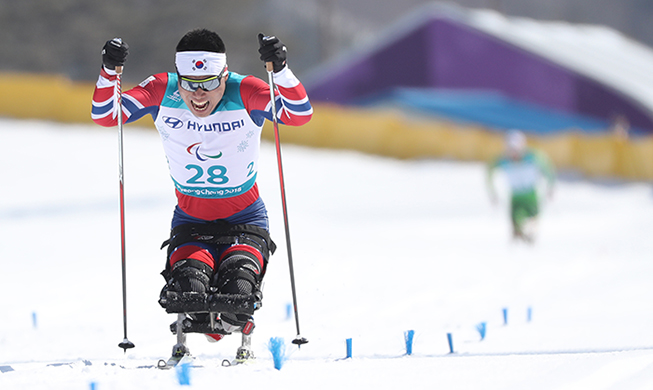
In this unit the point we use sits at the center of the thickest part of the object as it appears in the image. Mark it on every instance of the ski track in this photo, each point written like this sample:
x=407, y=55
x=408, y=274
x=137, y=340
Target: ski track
x=381, y=246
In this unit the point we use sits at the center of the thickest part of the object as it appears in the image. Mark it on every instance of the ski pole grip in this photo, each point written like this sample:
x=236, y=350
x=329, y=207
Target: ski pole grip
x=119, y=69
x=268, y=66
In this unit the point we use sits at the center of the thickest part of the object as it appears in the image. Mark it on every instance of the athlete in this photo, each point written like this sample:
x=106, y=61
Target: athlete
x=210, y=121
x=524, y=168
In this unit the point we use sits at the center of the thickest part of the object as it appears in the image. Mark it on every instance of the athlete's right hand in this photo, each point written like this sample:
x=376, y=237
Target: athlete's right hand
x=114, y=53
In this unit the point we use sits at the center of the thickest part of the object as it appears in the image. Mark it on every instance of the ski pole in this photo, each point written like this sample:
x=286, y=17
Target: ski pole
x=125, y=344
x=270, y=69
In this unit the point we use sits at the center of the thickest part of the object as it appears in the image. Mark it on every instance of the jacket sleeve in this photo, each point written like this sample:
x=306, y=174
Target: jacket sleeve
x=139, y=101
x=293, y=106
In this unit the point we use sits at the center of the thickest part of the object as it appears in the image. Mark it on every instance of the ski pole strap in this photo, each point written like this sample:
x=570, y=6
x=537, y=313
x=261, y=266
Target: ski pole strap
x=221, y=232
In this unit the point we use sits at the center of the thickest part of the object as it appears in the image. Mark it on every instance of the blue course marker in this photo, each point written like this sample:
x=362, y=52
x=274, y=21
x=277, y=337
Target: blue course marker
x=349, y=349
x=450, y=339
x=481, y=328
x=288, y=311
x=183, y=373
x=408, y=336
x=278, y=350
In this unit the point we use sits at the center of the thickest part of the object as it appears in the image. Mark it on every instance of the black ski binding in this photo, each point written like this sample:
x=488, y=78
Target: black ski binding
x=193, y=302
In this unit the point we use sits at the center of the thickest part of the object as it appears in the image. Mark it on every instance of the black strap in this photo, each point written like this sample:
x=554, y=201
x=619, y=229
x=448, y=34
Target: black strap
x=221, y=232
x=237, y=273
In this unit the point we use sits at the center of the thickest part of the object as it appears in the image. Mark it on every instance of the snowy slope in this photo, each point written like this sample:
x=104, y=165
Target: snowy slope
x=380, y=246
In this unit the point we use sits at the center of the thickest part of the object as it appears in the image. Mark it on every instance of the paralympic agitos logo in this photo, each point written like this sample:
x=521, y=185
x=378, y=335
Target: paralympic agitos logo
x=195, y=149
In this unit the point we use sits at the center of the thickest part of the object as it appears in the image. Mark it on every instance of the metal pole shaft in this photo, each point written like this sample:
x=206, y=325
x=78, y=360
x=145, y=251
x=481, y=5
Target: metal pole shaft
x=270, y=69
x=125, y=343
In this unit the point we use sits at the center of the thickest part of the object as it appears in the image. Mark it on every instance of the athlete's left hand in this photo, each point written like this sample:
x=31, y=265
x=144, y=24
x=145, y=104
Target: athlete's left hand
x=272, y=50
x=114, y=53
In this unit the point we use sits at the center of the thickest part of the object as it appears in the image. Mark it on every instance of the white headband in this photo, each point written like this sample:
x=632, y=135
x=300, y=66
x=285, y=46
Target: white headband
x=200, y=63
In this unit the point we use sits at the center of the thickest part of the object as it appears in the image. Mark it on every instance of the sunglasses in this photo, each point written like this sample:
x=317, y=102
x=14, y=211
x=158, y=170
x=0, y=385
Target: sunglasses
x=207, y=84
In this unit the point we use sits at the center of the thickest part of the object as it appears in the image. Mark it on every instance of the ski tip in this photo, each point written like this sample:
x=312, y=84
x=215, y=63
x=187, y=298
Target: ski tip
x=174, y=361
x=299, y=341
x=126, y=344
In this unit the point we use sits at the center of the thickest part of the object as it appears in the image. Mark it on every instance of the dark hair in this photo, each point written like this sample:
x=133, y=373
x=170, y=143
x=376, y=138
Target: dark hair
x=201, y=40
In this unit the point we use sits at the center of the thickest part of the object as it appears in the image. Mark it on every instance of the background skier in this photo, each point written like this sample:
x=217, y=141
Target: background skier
x=525, y=169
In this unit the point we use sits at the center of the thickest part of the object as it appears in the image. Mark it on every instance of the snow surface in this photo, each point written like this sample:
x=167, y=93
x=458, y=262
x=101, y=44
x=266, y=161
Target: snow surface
x=380, y=247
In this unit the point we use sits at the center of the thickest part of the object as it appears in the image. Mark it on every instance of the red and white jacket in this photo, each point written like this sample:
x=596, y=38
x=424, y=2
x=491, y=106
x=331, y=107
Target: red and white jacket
x=213, y=161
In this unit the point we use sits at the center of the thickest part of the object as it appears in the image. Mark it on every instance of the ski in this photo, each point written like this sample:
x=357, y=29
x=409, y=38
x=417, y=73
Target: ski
x=214, y=327
x=244, y=355
x=237, y=362
x=174, y=361
x=180, y=352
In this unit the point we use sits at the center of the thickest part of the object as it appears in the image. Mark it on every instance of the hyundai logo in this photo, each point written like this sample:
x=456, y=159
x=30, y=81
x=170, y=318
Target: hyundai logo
x=174, y=123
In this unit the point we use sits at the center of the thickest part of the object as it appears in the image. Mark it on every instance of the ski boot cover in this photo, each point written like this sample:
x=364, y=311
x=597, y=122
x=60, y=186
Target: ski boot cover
x=239, y=273
x=190, y=275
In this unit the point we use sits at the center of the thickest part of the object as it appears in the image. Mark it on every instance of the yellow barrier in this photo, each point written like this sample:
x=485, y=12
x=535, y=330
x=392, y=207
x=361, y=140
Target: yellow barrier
x=47, y=97
x=44, y=97
x=376, y=131
x=600, y=155
x=392, y=134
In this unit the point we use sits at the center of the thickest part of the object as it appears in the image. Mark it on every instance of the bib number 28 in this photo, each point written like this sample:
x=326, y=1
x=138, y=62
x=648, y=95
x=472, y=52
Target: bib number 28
x=215, y=174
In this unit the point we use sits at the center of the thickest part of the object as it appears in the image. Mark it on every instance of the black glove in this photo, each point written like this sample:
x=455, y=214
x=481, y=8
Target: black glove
x=272, y=50
x=114, y=53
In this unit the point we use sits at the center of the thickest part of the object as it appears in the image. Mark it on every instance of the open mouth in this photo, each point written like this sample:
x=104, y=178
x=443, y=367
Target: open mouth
x=199, y=106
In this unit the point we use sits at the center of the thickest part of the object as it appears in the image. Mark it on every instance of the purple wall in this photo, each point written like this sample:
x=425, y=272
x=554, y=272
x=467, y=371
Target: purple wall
x=443, y=53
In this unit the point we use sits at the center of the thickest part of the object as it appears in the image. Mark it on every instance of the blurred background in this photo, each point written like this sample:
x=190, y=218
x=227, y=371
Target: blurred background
x=66, y=36
x=407, y=79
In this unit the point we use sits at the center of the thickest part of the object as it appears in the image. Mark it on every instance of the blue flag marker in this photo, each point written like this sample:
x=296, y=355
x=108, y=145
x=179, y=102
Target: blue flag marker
x=34, y=322
x=505, y=316
x=278, y=350
x=288, y=312
x=183, y=373
x=408, y=336
x=481, y=328
x=349, y=349
x=450, y=340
